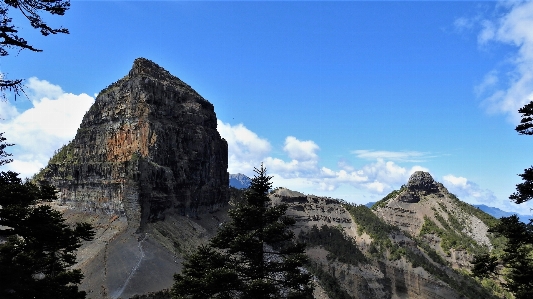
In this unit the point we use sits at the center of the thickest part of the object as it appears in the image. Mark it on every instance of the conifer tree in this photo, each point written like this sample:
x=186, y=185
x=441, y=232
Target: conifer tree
x=517, y=258
x=253, y=256
x=37, y=247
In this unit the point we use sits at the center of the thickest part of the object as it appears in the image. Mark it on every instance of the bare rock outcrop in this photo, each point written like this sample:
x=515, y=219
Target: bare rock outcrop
x=147, y=147
x=420, y=184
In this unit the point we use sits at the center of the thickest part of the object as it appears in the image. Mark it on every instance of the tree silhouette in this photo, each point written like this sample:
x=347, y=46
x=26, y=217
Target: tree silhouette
x=254, y=255
x=517, y=258
x=37, y=247
x=9, y=34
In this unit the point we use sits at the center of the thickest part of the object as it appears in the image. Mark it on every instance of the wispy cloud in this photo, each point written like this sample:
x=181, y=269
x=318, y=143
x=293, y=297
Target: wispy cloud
x=506, y=91
x=471, y=192
x=398, y=156
x=301, y=167
x=465, y=188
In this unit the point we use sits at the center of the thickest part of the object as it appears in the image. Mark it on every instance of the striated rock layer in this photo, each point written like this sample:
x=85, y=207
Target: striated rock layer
x=147, y=147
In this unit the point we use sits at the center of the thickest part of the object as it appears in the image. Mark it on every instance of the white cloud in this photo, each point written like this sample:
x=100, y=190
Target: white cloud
x=463, y=23
x=468, y=190
x=38, y=131
x=302, y=172
x=472, y=193
x=512, y=28
x=400, y=156
x=246, y=150
x=300, y=150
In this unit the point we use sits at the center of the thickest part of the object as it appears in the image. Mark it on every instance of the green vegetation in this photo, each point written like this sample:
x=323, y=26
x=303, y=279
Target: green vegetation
x=471, y=210
x=254, y=255
x=517, y=253
x=64, y=155
x=9, y=32
x=376, y=228
x=465, y=285
x=450, y=238
x=370, y=223
x=383, y=202
x=516, y=257
x=328, y=282
x=334, y=240
x=37, y=256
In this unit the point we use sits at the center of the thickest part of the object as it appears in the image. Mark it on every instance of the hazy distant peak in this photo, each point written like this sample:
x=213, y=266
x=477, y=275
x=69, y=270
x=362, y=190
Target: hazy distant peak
x=239, y=181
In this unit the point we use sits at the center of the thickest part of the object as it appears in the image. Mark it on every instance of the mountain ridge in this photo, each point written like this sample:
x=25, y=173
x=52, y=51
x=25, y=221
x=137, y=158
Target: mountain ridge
x=239, y=181
x=148, y=170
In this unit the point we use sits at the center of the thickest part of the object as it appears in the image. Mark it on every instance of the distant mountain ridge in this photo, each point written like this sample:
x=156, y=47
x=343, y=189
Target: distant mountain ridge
x=494, y=212
x=239, y=181
x=497, y=213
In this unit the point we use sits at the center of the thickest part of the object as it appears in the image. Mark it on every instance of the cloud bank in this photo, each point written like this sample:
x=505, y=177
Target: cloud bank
x=37, y=132
x=506, y=90
x=301, y=170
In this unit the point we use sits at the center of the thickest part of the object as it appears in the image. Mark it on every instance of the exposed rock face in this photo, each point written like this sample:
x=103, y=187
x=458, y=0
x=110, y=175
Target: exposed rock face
x=420, y=183
x=148, y=146
x=376, y=278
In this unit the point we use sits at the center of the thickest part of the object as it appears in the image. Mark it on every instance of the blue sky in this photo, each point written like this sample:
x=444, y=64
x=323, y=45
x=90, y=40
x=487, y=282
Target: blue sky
x=343, y=99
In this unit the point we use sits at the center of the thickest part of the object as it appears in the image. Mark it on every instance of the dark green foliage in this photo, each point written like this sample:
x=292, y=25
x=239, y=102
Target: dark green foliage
x=383, y=202
x=341, y=247
x=380, y=232
x=516, y=257
x=375, y=227
x=524, y=191
x=463, y=284
x=433, y=255
x=40, y=247
x=526, y=123
x=484, y=265
x=163, y=294
x=205, y=275
x=370, y=223
x=450, y=237
x=252, y=256
x=469, y=209
x=9, y=38
x=63, y=155
x=496, y=241
x=236, y=195
x=329, y=283
x=3, y=155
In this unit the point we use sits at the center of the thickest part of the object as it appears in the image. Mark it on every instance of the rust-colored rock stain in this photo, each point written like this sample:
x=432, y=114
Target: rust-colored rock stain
x=128, y=140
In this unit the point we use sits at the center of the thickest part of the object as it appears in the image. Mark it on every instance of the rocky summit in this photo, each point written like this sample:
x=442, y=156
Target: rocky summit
x=148, y=146
x=145, y=164
x=420, y=184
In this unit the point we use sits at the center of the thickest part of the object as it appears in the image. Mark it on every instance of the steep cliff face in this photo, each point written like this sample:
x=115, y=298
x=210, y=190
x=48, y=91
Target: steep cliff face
x=147, y=147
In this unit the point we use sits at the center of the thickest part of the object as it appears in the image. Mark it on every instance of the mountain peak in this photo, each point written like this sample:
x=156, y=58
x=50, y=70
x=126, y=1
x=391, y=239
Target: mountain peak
x=145, y=67
x=239, y=181
x=422, y=181
x=148, y=147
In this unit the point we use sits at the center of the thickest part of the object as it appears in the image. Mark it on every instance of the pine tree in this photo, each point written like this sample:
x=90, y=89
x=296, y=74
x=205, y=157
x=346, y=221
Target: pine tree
x=517, y=258
x=37, y=247
x=254, y=255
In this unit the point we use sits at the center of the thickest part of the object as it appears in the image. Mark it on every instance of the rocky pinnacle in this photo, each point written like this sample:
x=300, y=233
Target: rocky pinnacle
x=147, y=147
